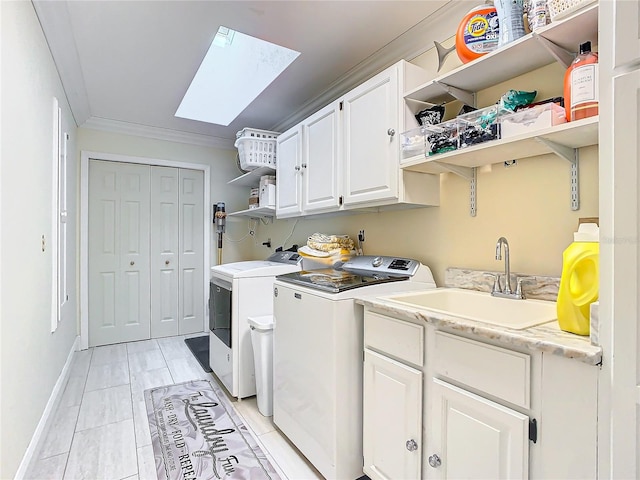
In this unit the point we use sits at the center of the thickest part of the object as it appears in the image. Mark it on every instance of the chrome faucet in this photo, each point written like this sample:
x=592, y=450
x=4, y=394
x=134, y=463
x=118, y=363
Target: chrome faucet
x=507, y=268
x=506, y=292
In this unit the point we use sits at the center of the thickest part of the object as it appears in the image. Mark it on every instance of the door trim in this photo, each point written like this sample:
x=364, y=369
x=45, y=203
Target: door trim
x=85, y=156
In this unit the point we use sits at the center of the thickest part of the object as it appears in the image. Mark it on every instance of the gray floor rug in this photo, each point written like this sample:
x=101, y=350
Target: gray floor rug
x=199, y=346
x=196, y=434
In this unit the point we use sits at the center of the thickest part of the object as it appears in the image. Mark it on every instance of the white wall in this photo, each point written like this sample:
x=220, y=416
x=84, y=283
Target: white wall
x=31, y=357
x=223, y=169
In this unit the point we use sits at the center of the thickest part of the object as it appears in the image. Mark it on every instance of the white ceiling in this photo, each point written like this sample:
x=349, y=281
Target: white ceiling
x=126, y=65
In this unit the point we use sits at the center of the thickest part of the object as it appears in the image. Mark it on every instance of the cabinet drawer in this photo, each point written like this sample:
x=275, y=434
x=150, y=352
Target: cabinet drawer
x=396, y=338
x=497, y=371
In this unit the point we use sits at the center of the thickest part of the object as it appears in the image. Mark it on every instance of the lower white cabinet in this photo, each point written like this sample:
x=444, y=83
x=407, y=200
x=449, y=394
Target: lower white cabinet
x=439, y=405
x=392, y=434
x=474, y=437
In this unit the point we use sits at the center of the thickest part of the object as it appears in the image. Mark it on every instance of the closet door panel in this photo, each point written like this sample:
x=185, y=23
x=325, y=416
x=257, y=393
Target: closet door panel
x=164, y=252
x=119, y=291
x=191, y=248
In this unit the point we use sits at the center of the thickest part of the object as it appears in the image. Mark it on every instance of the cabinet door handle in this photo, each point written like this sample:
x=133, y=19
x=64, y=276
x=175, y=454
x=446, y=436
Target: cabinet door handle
x=304, y=165
x=297, y=168
x=434, y=461
x=411, y=445
x=391, y=132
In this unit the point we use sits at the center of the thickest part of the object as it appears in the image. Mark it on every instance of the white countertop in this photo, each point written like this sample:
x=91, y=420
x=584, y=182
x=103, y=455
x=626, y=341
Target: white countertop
x=546, y=337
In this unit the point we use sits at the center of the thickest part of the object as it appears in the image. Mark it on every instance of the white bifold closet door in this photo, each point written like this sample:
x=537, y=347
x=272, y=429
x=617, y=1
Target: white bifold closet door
x=146, y=252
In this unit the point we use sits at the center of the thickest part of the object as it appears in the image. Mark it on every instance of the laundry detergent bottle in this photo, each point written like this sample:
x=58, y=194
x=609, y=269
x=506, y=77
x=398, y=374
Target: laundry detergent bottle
x=477, y=32
x=579, y=283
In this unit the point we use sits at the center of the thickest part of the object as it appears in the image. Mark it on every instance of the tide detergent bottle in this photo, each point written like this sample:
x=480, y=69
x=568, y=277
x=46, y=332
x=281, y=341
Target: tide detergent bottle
x=579, y=283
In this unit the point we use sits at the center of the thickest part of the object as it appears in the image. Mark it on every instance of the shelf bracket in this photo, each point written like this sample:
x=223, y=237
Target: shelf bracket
x=572, y=155
x=560, y=54
x=467, y=97
x=468, y=173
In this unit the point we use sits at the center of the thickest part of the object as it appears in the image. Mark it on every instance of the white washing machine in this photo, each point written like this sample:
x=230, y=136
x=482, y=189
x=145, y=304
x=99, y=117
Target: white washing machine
x=318, y=351
x=237, y=291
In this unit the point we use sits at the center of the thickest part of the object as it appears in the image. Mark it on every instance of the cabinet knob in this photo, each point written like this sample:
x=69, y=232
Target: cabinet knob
x=412, y=445
x=132, y=263
x=391, y=132
x=434, y=461
x=304, y=165
x=297, y=168
x=166, y=262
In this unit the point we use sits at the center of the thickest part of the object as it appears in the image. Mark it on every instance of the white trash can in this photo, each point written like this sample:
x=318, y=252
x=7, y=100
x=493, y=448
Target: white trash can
x=262, y=341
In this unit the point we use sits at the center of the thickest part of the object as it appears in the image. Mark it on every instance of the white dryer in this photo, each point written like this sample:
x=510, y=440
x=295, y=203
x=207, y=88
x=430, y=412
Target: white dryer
x=237, y=291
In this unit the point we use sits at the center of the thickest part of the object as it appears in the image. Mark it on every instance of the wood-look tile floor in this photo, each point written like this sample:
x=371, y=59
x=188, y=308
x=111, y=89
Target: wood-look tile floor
x=100, y=429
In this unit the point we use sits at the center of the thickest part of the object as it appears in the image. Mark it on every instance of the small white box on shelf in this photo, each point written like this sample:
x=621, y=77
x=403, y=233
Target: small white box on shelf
x=268, y=190
x=532, y=119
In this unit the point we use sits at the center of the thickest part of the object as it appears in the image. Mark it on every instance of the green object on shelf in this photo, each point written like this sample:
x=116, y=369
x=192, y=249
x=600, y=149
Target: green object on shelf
x=517, y=98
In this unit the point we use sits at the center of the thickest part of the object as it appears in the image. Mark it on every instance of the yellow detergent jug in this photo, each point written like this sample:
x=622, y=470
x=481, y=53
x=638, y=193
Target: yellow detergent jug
x=579, y=283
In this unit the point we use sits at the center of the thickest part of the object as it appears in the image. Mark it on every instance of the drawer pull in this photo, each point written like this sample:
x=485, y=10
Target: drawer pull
x=412, y=446
x=434, y=461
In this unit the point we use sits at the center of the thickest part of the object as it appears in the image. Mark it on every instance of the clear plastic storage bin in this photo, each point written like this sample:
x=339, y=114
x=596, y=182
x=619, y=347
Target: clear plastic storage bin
x=442, y=137
x=414, y=142
x=480, y=126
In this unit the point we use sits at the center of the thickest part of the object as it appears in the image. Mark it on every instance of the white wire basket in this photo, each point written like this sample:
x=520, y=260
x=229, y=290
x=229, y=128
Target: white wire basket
x=256, y=148
x=559, y=9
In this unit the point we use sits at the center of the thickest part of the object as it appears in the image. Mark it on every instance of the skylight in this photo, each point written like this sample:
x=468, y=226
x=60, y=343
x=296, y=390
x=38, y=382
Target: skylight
x=235, y=70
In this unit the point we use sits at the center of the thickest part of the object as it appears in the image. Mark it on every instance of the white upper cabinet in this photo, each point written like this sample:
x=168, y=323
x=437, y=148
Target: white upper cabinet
x=320, y=167
x=346, y=155
x=371, y=124
x=289, y=173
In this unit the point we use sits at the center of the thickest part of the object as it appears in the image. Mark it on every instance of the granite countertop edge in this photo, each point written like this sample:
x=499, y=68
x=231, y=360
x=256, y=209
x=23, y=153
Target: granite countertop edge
x=546, y=337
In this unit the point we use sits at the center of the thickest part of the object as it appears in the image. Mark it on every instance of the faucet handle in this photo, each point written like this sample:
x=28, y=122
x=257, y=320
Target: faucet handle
x=496, y=282
x=520, y=281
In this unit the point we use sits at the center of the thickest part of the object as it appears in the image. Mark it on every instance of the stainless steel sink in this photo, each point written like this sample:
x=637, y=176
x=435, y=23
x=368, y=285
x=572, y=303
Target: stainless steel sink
x=481, y=307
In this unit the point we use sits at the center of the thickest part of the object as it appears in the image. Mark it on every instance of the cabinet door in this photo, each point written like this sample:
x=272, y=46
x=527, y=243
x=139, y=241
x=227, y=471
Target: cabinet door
x=392, y=419
x=476, y=438
x=371, y=131
x=288, y=176
x=320, y=160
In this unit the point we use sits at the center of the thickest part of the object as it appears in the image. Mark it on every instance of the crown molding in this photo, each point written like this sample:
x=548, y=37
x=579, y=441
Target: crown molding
x=126, y=128
x=438, y=26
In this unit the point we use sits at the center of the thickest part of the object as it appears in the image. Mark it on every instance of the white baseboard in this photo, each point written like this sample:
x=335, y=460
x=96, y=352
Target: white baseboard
x=45, y=421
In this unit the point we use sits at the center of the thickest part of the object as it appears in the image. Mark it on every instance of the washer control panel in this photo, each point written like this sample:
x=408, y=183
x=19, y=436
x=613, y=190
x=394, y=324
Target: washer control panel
x=382, y=264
